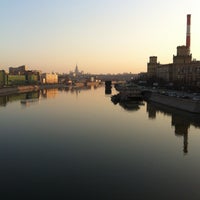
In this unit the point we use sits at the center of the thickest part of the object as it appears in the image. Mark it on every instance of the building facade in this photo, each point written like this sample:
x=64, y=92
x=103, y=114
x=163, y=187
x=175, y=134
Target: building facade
x=183, y=70
x=2, y=78
x=49, y=78
x=152, y=66
x=21, y=70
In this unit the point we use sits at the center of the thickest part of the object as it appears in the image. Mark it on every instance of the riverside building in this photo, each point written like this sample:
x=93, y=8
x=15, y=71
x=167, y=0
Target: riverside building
x=183, y=70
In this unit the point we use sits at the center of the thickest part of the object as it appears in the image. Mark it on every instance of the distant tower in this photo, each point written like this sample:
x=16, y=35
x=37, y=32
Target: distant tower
x=188, y=32
x=76, y=70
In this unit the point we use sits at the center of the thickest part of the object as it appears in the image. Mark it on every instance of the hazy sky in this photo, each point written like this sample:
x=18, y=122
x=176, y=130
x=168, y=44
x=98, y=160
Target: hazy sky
x=100, y=36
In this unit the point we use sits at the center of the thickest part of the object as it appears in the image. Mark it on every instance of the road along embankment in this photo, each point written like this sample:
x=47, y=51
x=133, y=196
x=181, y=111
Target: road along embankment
x=175, y=102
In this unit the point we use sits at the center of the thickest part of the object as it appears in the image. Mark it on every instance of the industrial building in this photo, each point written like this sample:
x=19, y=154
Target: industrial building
x=183, y=71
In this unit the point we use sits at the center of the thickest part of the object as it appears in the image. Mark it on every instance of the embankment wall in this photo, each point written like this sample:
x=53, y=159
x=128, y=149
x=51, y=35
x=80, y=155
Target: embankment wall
x=179, y=103
x=27, y=88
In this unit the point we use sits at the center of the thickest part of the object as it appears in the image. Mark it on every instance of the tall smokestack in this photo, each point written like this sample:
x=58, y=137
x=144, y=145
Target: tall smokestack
x=188, y=32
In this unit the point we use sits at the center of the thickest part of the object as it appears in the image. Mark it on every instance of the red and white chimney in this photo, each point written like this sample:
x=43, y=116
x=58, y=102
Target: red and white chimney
x=188, y=32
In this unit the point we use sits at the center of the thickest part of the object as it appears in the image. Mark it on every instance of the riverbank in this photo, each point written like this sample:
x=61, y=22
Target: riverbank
x=188, y=105
x=27, y=88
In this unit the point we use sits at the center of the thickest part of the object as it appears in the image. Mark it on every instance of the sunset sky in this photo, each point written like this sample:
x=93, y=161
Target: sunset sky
x=100, y=36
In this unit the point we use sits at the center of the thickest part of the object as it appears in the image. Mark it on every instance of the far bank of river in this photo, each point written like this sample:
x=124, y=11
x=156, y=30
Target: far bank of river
x=27, y=88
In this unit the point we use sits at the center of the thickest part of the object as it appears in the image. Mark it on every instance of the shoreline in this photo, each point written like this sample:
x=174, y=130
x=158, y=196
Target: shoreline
x=28, y=88
x=187, y=105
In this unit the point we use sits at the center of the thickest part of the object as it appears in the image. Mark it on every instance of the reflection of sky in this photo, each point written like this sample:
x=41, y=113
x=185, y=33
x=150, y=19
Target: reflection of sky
x=86, y=141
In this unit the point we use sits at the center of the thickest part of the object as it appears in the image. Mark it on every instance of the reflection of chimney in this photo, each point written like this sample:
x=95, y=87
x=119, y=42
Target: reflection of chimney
x=188, y=32
x=185, y=143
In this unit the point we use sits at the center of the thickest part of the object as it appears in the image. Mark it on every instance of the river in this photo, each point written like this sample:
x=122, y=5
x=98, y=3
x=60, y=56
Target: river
x=78, y=144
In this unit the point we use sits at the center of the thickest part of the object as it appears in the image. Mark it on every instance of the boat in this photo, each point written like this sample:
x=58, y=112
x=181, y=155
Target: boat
x=129, y=91
x=124, y=86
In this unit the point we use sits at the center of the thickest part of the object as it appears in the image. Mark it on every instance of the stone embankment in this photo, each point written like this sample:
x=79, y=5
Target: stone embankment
x=179, y=103
x=28, y=88
x=19, y=89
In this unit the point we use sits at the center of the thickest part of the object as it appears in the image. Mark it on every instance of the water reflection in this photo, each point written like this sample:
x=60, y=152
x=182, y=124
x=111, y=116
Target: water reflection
x=108, y=87
x=128, y=105
x=31, y=97
x=64, y=146
x=108, y=90
x=4, y=100
x=131, y=105
x=179, y=119
x=49, y=93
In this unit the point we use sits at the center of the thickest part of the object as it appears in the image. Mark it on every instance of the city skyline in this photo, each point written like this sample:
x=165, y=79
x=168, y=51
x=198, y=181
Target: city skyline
x=100, y=37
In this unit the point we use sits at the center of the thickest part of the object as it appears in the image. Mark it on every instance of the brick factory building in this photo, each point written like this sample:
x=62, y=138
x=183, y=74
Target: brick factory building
x=183, y=71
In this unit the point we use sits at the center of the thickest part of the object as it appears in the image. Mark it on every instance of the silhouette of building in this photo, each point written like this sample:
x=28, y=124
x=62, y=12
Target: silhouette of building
x=21, y=70
x=183, y=70
x=76, y=71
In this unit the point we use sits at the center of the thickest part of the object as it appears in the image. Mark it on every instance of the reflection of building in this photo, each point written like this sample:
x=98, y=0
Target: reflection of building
x=181, y=129
x=179, y=119
x=16, y=97
x=3, y=100
x=108, y=87
x=49, y=93
x=151, y=111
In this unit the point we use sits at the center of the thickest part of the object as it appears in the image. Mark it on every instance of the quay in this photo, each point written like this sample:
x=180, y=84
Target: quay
x=16, y=90
x=186, y=103
x=27, y=88
x=189, y=102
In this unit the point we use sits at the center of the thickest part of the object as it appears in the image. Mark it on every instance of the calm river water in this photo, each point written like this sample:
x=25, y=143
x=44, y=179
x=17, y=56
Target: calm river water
x=78, y=144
